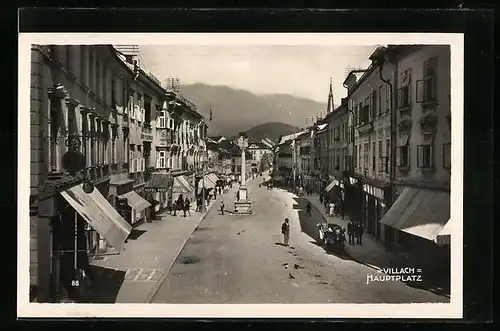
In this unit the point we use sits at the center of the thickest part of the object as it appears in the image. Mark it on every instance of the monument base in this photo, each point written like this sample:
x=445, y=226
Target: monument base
x=243, y=207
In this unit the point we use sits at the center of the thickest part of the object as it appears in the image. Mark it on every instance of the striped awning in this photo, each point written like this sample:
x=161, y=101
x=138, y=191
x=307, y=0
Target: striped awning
x=213, y=177
x=181, y=185
x=420, y=212
x=206, y=183
x=159, y=182
x=135, y=201
x=99, y=214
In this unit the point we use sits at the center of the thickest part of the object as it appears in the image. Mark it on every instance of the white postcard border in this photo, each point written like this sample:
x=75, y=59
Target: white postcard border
x=427, y=310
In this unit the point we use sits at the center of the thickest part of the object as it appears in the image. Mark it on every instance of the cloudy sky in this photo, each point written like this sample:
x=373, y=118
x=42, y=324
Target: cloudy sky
x=302, y=71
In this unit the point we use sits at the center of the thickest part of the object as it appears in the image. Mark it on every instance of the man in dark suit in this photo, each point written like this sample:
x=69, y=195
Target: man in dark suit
x=350, y=232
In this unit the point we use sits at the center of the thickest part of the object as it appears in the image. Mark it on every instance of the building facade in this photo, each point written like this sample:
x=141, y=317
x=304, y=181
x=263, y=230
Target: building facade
x=146, y=100
x=321, y=139
x=336, y=145
x=79, y=134
x=423, y=152
x=369, y=98
x=258, y=150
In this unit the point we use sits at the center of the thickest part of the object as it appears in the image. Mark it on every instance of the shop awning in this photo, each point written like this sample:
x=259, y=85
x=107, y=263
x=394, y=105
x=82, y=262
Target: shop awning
x=444, y=237
x=181, y=185
x=332, y=184
x=420, y=212
x=135, y=201
x=206, y=182
x=159, y=182
x=213, y=177
x=98, y=213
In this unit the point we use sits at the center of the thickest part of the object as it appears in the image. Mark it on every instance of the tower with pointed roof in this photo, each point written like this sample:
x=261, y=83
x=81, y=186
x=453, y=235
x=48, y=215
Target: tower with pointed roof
x=331, y=105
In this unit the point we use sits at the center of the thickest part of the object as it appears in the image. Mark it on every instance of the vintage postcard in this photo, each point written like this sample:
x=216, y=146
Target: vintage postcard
x=240, y=175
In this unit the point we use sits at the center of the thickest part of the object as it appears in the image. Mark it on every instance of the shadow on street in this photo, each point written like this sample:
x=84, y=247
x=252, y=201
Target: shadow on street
x=135, y=234
x=308, y=225
x=435, y=278
x=108, y=283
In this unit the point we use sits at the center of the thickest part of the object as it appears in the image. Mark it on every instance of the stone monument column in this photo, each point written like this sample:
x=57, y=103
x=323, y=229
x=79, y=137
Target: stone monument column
x=243, y=205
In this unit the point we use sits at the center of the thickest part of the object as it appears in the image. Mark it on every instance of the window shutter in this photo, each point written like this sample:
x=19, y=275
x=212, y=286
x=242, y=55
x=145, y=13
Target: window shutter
x=158, y=160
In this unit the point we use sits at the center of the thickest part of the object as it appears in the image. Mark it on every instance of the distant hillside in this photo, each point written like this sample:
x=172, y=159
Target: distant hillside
x=237, y=110
x=271, y=130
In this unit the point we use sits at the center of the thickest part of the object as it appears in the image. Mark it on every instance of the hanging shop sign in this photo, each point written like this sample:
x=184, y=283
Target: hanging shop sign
x=375, y=191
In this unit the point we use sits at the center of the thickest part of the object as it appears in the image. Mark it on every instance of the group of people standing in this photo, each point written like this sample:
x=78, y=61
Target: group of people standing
x=355, y=231
x=183, y=204
x=300, y=191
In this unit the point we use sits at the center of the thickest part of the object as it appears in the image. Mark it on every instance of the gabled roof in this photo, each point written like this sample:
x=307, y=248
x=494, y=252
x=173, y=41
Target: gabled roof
x=321, y=126
x=259, y=145
x=304, y=134
x=292, y=136
x=268, y=142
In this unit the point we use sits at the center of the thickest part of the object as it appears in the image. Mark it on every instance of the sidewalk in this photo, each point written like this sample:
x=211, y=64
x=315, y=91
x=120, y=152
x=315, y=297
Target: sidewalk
x=371, y=252
x=151, y=249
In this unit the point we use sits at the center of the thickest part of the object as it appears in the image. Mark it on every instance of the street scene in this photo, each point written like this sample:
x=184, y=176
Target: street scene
x=208, y=187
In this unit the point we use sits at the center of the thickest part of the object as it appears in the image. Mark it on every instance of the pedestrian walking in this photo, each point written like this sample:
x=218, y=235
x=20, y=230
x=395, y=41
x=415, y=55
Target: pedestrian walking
x=285, y=229
x=222, y=207
x=359, y=233
x=178, y=204
x=198, y=203
x=187, y=207
x=321, y=198
x=331, y=209
x=350, y=232
x=308, y=208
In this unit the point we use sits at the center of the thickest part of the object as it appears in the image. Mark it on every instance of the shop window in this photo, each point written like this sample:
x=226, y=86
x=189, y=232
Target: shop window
x=161, y=124
x=425, y=156
x=388, y=98
x=380, y=93
x=113, y=150
x=447, y=156
x=426, y=88
x=403, y=156
x=404, y=92
x=374, y=106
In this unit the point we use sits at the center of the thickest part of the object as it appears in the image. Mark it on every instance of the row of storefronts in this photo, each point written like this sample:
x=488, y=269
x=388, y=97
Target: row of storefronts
x=415, y=211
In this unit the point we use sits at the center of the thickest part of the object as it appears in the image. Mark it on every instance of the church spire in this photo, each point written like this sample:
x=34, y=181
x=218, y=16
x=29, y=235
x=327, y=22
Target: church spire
x=330, y=106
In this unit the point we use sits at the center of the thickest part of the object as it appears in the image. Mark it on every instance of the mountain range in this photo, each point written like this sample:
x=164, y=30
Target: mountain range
x=236, y=110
